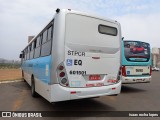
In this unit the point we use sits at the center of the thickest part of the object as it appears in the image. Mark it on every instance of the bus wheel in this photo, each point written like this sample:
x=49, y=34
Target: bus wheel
x=33, y=92
x=23, y=76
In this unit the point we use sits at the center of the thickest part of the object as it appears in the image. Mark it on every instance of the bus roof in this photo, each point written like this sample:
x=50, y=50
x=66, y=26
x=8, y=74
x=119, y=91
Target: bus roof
x=90, y=15
x=135, y=41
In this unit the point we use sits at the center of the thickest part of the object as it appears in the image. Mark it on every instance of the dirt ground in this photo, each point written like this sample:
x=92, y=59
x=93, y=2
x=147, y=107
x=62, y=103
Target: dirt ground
x=10, y=74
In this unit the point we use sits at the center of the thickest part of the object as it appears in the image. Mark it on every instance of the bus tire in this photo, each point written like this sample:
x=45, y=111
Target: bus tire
x=23, y=76
x=33, y=92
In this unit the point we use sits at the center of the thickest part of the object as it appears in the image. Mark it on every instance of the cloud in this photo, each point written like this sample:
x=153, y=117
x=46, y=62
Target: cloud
x=20, y=18
x=141, y=27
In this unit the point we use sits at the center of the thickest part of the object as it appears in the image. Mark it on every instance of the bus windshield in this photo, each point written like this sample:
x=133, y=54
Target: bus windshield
x=136, y=51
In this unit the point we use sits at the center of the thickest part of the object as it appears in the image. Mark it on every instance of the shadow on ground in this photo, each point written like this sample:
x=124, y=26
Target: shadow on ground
x=129, y=89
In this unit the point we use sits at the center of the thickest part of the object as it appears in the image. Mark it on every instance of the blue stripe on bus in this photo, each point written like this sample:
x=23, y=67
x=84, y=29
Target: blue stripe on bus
x=39, y=67
x=139, y=59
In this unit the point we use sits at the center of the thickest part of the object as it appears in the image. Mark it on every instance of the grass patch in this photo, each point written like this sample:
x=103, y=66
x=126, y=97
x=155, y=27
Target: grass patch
x=10, y=74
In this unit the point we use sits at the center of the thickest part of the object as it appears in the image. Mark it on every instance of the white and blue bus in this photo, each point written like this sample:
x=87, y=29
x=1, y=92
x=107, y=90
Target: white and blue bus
x=75, y=56
x=136, y=62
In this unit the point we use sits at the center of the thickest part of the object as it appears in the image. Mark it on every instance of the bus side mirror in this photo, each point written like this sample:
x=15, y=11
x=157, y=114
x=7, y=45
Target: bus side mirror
x=21, y=56
x=122, y=38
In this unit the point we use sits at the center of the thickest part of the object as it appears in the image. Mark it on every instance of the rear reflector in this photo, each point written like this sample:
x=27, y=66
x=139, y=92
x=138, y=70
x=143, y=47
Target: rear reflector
x=113, y=88
x=73, y=92
x=112, y=81
x=89, y=85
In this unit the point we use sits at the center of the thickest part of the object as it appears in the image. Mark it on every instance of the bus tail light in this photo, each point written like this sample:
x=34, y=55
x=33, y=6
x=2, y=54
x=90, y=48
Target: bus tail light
x=61, y=67
x=119, y=74
x=123, y=71
x=62, y=76
x=150, y=70
x=114, y=80
x=64, y=81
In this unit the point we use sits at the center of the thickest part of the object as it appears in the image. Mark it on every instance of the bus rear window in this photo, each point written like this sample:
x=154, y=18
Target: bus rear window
x=107, y=30
x=136, y=51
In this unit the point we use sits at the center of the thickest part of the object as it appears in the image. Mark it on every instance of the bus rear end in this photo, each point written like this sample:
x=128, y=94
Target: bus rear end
x=92, y=58
x=136, y=62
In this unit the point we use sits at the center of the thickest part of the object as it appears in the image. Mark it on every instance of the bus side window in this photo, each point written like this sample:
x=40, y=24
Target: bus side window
x=32, y=50
x=46, y=47
x=37, y=42
x=30, y=47
x=34, y=46
x=27, y=53
x=37, y=47
x=29, y=50
x=49, y=33
x=23, y=54
x=44, y=36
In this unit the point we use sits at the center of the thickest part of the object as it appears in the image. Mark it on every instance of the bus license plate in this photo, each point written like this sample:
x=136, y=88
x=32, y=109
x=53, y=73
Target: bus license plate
x=139, y=80
x=94, y=77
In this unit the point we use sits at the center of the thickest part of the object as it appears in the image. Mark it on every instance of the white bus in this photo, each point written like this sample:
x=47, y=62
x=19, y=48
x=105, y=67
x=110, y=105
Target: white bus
x=77, y=55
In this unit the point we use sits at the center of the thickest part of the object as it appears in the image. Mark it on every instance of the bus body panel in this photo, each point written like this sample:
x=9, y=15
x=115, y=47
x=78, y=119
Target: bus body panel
x=84, y=31
x=58, y=45
x=136, y=79
x=43, y=89
x=27, y=77
x=64, y=93
x=39, y=67
x=86, y=49
x=137, y=70
x=80, y=68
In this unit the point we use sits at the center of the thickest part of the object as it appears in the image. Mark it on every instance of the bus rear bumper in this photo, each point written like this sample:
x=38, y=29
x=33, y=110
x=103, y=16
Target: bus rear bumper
x=60, y=93
x=136, y=79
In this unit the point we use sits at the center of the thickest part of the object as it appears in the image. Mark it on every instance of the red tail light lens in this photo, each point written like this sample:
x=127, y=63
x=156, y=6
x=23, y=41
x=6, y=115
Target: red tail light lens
x=113, y=88
x=73, y=92
x=61, y=74
x=61, y=67
x=150, y=70
x=123, y=70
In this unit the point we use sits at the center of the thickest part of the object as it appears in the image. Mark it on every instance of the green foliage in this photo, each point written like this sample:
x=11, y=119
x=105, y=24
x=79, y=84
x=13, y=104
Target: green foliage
x=9, y=66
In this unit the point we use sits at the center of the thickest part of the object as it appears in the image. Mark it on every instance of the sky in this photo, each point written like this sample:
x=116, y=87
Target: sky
x=139, y=19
